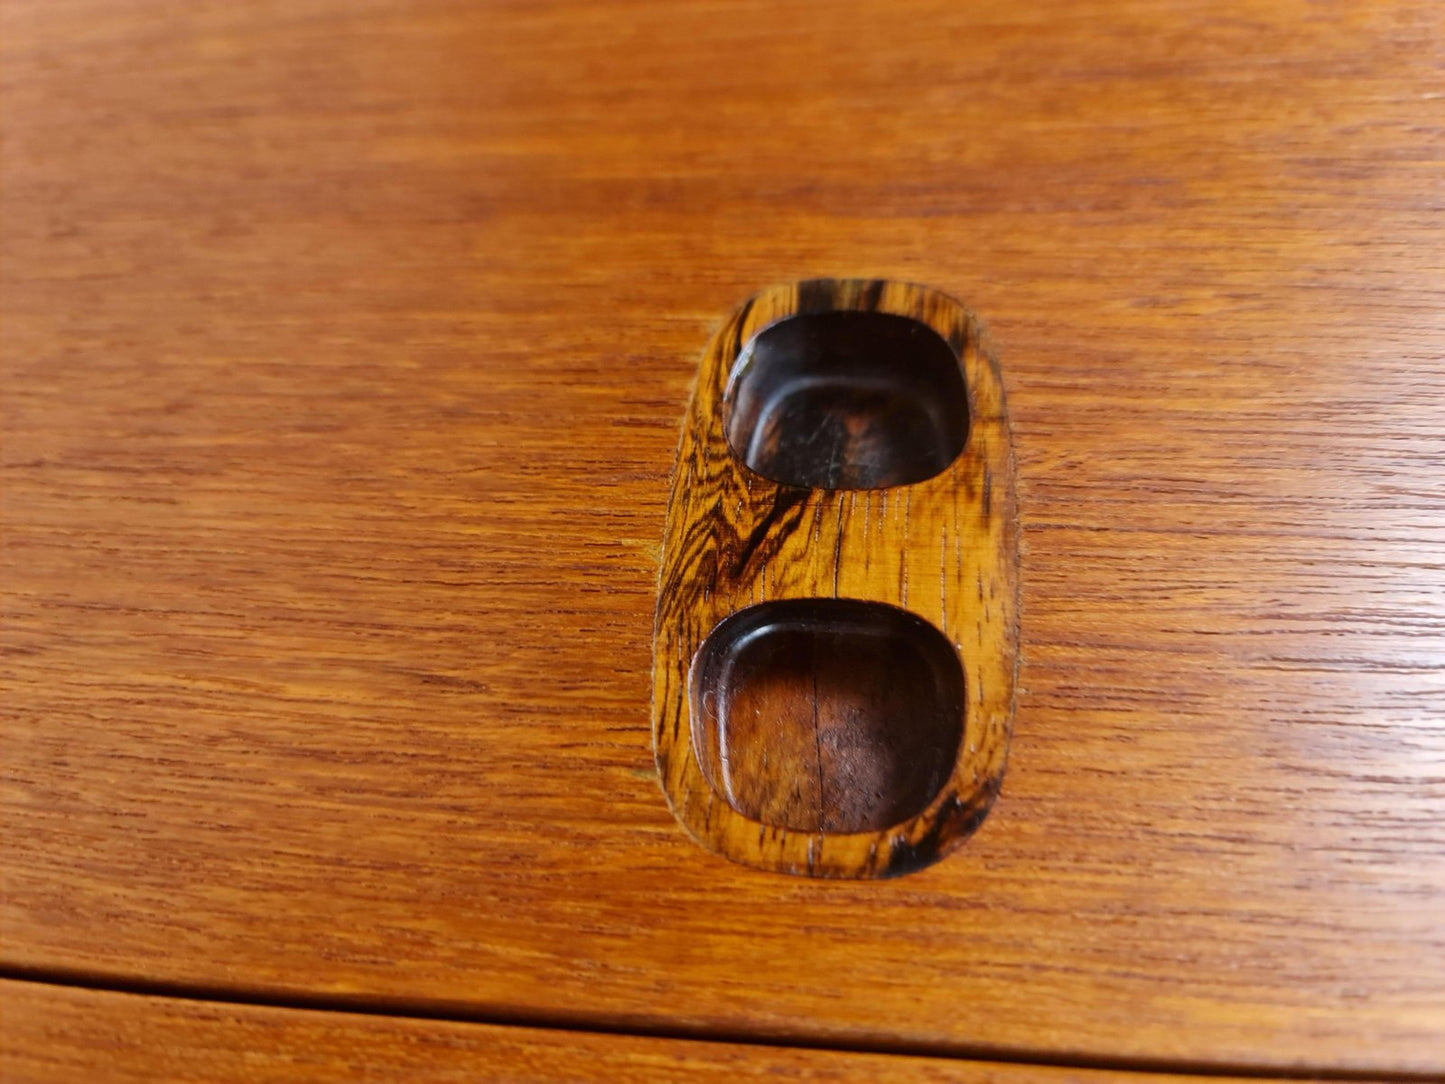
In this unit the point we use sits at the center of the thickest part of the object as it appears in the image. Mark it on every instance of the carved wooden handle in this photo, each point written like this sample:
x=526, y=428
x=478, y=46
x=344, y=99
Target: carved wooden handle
x=836, y=635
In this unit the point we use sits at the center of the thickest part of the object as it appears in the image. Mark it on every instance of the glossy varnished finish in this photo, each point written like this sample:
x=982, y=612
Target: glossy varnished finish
x=344, y=347
x=53, y=1034
x=847, y=399
x=941, y=550
x=826, y=715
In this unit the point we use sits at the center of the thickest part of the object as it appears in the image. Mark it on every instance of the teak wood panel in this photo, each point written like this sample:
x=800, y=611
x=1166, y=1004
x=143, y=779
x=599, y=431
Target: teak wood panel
x=944, y=550
x=344, y=346
x=50, y=1034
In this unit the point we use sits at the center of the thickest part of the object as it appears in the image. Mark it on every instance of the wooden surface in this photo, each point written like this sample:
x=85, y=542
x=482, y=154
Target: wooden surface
x=51, y=1034
x=944, y=549
x=344, y=346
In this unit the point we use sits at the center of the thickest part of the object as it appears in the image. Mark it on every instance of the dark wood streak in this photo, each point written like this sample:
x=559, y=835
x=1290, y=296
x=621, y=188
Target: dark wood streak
x=772, y=528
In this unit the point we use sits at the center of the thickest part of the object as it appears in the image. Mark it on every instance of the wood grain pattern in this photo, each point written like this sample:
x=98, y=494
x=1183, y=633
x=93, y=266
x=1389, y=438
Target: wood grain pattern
x=50, y=1034
x=343, y=349
x=945, y=549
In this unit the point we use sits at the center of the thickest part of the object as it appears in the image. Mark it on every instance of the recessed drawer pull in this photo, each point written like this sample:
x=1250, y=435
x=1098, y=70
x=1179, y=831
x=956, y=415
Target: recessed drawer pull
x=836, y=632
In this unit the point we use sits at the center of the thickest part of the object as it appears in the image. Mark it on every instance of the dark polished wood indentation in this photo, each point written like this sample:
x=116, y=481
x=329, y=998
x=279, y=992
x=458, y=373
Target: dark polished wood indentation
x=816, y=739
x=847, y=400
x=825, y=714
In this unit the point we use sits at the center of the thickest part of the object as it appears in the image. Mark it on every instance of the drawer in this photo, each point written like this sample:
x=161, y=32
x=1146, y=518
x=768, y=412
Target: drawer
x=345, y=349
x=54, y=1033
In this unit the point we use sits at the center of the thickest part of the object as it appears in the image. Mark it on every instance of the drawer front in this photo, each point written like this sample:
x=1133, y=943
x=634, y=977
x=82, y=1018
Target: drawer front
x=345, y=348
x=53, y=1034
